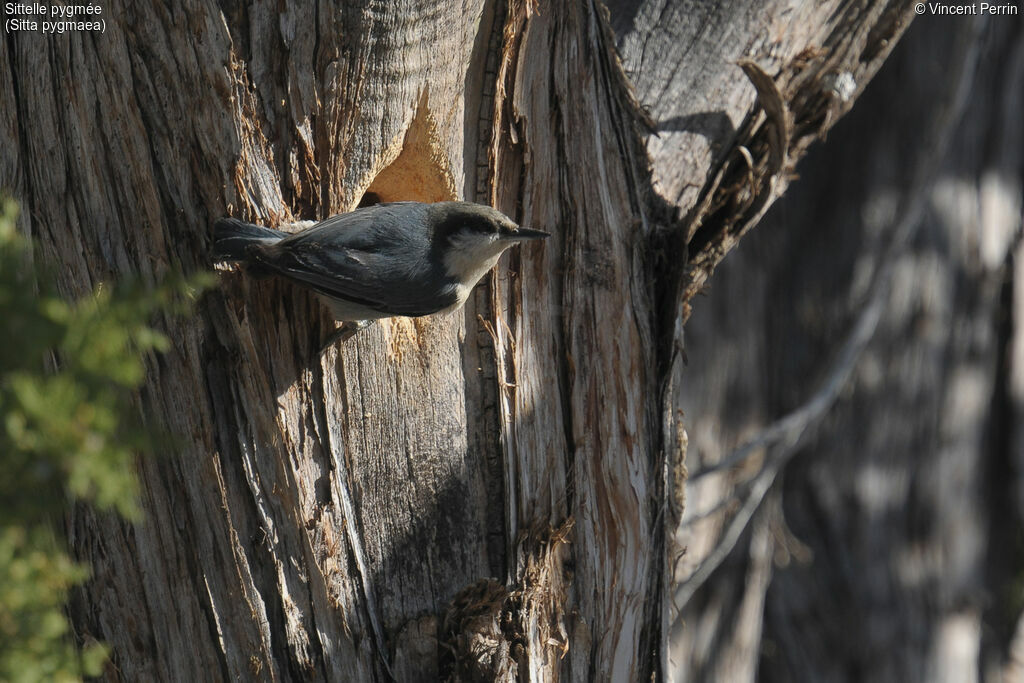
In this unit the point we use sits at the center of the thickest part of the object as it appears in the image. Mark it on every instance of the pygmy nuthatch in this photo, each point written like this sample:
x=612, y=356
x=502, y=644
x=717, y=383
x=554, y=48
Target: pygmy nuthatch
x=402, y=258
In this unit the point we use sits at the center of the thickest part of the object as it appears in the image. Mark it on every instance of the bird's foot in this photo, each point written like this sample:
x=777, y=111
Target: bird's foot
x=346, y=331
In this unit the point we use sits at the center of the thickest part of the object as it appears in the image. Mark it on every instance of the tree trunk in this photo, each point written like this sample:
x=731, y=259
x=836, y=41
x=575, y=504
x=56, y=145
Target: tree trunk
x=485, y=495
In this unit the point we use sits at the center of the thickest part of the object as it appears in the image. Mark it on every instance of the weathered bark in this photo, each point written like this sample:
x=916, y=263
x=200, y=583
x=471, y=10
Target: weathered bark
x=483, y=495
x=890, y=552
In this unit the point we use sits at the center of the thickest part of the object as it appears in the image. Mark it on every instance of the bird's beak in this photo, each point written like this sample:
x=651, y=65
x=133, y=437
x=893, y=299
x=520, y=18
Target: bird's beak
x=522, y=234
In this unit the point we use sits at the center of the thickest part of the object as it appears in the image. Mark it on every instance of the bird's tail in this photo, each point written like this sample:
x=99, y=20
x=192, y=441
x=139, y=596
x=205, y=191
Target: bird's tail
x=232, y=237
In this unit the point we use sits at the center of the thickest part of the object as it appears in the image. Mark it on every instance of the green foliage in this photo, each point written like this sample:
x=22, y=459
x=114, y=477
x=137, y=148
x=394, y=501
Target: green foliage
x=36, y=575
x=67, y=376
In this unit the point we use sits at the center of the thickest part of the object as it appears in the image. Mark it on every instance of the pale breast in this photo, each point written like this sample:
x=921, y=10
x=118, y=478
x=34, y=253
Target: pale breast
x=348, y=311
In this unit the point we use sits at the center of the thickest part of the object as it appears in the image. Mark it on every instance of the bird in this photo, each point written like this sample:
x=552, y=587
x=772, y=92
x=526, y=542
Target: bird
x=393, y=259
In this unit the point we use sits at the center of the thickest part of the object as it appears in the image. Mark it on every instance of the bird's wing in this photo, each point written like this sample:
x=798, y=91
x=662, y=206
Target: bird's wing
x=370, y=228
x=355, y=260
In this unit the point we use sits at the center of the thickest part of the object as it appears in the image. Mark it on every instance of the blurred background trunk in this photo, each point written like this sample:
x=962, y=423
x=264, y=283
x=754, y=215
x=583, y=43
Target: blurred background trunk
x=890, y=547
x=480, y=496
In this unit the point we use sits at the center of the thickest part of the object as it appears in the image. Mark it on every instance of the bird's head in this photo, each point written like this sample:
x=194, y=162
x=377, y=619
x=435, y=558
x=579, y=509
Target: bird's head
x=471, y=237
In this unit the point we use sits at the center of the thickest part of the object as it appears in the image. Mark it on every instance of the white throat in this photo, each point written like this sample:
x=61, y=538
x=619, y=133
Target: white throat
x=470, y=257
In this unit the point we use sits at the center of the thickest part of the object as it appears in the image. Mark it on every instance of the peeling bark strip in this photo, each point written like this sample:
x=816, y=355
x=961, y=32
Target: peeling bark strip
x=799, y=106
x=402, y=505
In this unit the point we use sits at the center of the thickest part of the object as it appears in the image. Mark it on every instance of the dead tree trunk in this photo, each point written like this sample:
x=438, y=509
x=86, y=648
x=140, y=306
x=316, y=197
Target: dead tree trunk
x=479, y=496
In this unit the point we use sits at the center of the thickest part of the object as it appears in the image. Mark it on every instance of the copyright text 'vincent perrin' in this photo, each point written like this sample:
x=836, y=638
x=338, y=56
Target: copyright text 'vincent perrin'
x=968, y=9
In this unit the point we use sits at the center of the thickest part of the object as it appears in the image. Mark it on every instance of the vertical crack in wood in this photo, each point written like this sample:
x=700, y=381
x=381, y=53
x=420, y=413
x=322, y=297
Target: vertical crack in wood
x=501, y=193
x=483, y=376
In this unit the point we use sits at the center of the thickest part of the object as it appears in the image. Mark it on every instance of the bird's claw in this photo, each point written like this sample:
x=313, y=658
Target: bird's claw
x=346, y=331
